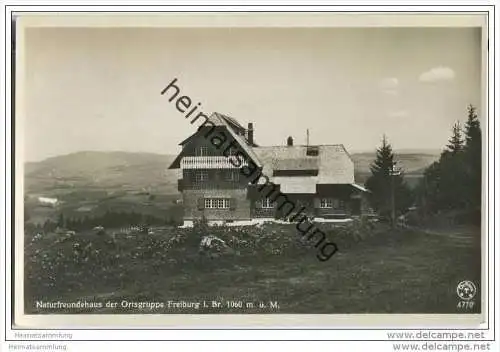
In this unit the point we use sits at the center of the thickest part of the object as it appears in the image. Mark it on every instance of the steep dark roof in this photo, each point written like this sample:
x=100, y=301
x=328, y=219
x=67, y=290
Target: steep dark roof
x=221, y=120
x=234, y=130
x=231, y=121
x=333, y=163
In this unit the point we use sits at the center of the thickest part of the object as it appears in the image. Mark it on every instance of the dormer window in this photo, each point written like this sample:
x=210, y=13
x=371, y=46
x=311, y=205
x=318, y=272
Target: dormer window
x=312, y=151
x=291, y=173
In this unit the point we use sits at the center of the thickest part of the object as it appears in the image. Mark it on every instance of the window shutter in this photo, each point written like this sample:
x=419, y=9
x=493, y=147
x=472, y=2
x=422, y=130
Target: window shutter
x=232, y=203
x=201, y=203
x=336, y=203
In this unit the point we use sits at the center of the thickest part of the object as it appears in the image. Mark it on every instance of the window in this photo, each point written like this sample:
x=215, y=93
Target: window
x=216, y=203
x=267, y=203
x=331, y=203
x=201, y=175
x=326, y=203
x=202, y=151
x=208, y=203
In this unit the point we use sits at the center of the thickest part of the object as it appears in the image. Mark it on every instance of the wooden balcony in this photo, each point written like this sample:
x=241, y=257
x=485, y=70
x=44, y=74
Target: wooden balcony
x=210, y=162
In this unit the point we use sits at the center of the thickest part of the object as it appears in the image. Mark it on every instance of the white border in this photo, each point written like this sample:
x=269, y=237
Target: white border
x=268, y=334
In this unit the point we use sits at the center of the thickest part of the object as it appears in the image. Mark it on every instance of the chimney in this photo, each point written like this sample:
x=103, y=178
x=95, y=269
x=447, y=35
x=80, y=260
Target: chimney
x=250, y=133
x=289, y=141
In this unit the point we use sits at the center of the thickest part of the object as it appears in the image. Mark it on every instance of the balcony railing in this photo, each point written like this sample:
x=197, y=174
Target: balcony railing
x=211, y=162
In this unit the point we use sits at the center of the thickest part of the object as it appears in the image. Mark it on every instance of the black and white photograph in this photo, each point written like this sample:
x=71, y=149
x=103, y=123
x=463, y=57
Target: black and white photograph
x=251, y=170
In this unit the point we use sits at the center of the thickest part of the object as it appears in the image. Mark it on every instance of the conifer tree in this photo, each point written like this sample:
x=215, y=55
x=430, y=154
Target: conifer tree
x=454, y=182
x=384, y=181
x=450, y=180
x=472, y=128
x=456, y=142
x=430, y=195
x=473, y=158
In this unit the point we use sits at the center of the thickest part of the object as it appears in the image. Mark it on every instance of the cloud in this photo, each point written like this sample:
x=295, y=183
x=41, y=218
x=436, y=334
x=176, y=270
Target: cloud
x=440, y=73
x=398, y=114
x=389, y=85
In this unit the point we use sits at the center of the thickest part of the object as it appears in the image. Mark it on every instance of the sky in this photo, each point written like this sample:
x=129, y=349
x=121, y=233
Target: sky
x=99, y=88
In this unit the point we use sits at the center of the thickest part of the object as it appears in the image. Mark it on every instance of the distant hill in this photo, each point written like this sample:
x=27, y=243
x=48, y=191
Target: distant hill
x=147, y=172
x=110, y=171
x=412, y=162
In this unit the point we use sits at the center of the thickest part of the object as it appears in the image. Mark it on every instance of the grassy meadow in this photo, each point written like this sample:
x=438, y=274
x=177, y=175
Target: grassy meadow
x=376, y=270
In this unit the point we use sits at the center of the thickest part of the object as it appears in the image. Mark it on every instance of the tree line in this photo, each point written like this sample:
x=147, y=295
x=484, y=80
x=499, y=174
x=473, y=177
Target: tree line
x=110, y=219
x=454, y=181
x=451, y=184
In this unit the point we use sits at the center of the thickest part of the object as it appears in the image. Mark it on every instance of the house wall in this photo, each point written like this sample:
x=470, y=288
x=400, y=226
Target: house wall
x=342, y=194
x=301, y=200
x=217, y=179
x=246, y=208
x=217, y=186
x=246, y=200
x=241, y=209
x=256, y=196
x=311, y=203
x=258, y=212
x=189, y=149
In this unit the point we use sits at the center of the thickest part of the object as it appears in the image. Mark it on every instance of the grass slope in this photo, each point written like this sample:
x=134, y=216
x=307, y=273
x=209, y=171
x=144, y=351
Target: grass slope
x=404, y=271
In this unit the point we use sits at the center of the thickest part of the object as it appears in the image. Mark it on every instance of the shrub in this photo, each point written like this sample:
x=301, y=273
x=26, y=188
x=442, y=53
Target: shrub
x=58, y=263
x=200, y=227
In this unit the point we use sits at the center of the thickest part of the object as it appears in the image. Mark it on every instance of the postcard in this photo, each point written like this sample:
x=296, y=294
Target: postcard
x=245, y=169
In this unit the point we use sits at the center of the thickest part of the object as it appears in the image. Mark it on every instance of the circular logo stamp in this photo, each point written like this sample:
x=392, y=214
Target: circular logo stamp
x=466, y=290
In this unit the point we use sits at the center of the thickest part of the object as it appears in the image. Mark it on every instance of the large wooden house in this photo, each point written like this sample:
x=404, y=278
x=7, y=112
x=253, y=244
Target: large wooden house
x=216, y=181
